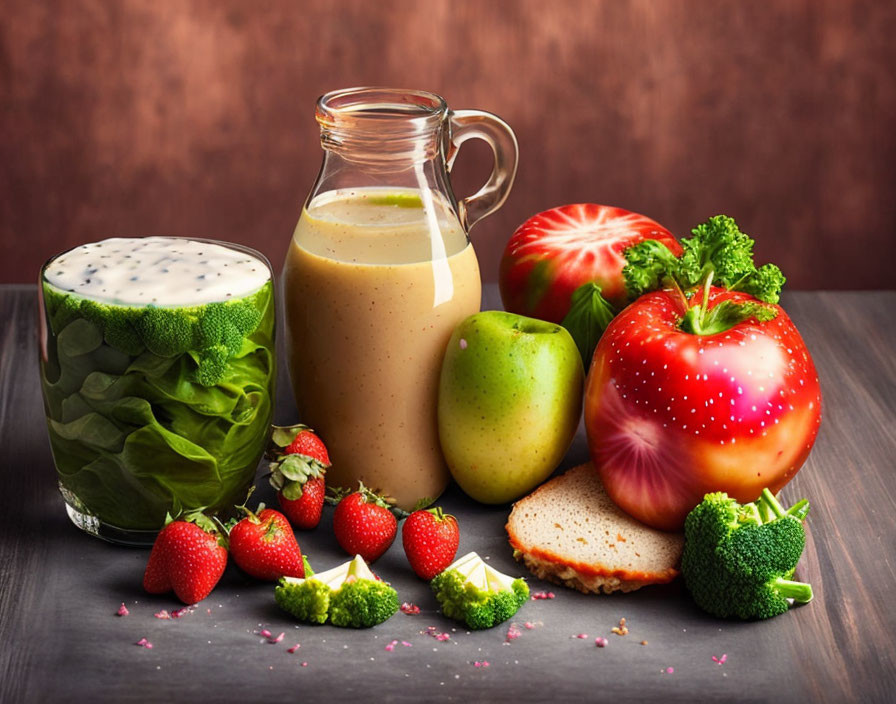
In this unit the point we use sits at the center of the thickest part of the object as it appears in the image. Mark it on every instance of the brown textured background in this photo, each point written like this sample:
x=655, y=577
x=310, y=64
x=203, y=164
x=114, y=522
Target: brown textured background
x=196, y=118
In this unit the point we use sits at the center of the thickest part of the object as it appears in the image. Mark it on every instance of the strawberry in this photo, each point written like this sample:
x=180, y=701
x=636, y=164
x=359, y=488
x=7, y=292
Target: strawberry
x=189, y=557
x=364, y=524
x=299, y=460
x=430, y=540
x=264, y=546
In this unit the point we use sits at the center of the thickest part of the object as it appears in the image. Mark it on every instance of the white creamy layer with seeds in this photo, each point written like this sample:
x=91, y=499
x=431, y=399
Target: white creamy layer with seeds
x=162, y=271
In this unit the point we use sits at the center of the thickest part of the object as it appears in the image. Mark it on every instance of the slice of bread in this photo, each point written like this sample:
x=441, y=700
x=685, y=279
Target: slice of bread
x=568, y=531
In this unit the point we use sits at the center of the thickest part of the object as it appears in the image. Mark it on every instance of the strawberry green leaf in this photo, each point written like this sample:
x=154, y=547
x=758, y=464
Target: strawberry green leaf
x=422, y=503
x=292, y=491
x=296, y=467
x=282, y=436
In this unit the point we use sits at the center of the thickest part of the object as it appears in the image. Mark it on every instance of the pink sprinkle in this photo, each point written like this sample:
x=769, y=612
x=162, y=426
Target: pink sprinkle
x=277, y=639
x=720, y=660
x=405, y=644
x=122, y=610
x=600, y=642
x=410, y=609
x=293, y=648
x=463, y=344
x=542, y=595
x=391, y=646
x=529, y=625
x=304, y=664
x=581, y=636
x=265, y=633
x=670, y=670
x=162, y=614
x=513, y=632
x=433, y=632
x=483, y=663
x=144, y=643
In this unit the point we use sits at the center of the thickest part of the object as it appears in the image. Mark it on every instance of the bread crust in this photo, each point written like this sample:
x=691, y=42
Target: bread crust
x=587, y=577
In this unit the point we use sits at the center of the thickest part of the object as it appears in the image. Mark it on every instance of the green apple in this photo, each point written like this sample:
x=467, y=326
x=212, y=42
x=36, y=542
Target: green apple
x=510, y=398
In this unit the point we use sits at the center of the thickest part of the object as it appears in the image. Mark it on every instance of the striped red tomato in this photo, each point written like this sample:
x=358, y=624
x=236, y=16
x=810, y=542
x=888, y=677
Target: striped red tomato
x=556, y=251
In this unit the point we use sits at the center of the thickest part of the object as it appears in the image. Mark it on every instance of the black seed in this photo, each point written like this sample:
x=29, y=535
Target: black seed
x=133, y=278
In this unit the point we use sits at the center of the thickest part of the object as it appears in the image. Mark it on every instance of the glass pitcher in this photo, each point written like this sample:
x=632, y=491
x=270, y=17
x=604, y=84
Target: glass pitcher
x=379, y=272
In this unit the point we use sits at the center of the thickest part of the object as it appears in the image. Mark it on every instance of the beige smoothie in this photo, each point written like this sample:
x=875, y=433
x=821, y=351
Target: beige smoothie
x=374, y=283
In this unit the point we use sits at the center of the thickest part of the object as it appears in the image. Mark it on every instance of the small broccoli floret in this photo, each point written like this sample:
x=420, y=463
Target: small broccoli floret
x=166, y=333
x=212, y=365
x=765, y=283
x=648, y=264
x=471, y=591
x=349, y=595
x=219, y=336
x=362, y=603
x=719, y=244
x=120, y=334
x=227, y=324
x=306, y=599
x=738, y=560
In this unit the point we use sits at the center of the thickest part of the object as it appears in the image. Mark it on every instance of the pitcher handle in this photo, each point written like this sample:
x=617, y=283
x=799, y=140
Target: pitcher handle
x=476, y=124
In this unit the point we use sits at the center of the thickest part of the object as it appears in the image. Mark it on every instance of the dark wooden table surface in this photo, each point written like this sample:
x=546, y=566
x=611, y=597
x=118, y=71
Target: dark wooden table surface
x=60, y=639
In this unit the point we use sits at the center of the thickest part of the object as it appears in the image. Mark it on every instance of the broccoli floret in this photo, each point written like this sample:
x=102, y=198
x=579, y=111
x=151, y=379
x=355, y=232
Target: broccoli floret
x=227, y=324
x=349, y=595
x=648, y=263
x=738, y=560
x=120, y=334
x=719, y=244
x=166, y=333
x=117, y=325
x=362, y=603
x=63, y=309
x=765, y=283
x=471, y=591
x=718, y=254
x=306, y=599
x=212, y=365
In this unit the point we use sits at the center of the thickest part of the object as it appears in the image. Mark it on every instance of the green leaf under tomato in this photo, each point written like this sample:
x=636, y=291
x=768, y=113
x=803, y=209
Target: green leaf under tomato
x=588, y=317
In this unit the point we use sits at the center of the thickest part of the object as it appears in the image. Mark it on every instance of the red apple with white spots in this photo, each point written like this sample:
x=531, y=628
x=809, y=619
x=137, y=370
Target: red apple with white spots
x=671, y=415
